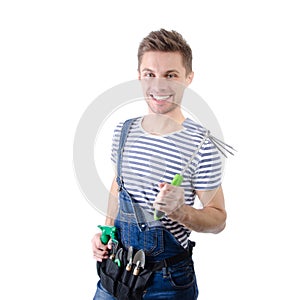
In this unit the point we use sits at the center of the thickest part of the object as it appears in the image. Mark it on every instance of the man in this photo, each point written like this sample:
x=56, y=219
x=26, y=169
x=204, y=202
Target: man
x=158, y=146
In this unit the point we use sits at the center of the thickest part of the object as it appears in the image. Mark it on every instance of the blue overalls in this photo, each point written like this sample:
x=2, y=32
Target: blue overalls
x=175, y=281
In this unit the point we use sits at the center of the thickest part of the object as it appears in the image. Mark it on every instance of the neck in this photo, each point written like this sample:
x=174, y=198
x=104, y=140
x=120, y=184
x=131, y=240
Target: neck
x=160, y=124
x=176, y=115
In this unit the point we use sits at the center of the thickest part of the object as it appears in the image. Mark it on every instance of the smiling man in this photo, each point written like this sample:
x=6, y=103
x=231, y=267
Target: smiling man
x=147, y=152
x=162, y=97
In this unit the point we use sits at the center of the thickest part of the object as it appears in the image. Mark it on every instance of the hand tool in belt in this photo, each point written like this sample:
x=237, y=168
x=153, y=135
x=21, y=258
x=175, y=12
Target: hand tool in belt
x=127, y=272
x=129, y=258
x=139, y=261
x=109, y=233
x=119, y=256
x=114, y=248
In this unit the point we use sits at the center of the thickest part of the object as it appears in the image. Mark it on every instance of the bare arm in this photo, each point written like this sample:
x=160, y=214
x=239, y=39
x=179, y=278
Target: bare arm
x=112, y=208
x=100, y=250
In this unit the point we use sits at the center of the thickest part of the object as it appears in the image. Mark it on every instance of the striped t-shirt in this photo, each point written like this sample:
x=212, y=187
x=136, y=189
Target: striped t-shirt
x=149, y=159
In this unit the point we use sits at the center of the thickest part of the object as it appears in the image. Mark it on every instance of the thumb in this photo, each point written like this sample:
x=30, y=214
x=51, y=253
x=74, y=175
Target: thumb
x=161, y=184
x=109, y=244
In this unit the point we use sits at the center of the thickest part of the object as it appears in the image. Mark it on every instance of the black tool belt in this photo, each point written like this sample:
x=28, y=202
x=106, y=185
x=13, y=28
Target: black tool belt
x=123, y=284
x=168, y=262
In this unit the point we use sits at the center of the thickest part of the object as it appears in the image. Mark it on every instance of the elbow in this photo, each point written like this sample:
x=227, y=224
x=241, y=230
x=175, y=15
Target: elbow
x=221, y=224
x=219, y=228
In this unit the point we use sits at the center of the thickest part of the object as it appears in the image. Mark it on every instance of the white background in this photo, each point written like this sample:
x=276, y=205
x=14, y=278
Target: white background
x=58, y=56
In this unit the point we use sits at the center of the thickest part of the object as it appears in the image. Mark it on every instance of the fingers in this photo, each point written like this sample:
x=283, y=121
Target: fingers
x=168, y=191
x=100, y=251
x=165, y=188
x=100, y=255
x=162, y=184
x=159, y=206
x=169, y=199
x=163, y=195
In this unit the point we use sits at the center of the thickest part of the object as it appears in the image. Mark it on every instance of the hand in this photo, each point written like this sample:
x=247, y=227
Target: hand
x=169, y=199
x=100, y=250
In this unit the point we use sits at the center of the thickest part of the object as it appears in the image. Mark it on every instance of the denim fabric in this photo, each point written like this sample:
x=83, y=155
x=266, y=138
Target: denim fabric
x=134, y=229
x=153, y=238
x=176, y=282
x=102, y=294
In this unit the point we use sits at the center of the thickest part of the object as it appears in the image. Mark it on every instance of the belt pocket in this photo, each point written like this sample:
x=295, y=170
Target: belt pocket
x=182, y=275
x=131, y=287
x=123, y=291
x=109, y=274
x=142, y=282
x=123, y=286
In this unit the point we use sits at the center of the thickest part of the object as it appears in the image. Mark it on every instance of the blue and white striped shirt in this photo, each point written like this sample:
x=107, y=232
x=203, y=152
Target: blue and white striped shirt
x=149, y=159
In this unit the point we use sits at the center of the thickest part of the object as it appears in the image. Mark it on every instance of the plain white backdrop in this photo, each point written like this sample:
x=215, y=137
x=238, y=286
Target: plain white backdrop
x=58, y=56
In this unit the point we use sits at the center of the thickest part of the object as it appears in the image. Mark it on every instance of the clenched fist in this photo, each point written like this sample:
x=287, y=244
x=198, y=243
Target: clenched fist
x=169, y=199
x=100, y=250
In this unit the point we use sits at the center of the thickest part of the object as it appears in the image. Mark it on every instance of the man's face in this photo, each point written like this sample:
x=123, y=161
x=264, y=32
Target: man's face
x=164, y=79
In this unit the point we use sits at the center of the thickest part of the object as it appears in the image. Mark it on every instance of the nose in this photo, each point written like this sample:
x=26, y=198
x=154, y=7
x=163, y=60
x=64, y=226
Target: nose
x=159, y=85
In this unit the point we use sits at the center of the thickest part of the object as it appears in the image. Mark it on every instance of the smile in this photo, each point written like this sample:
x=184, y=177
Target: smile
x=160, y=97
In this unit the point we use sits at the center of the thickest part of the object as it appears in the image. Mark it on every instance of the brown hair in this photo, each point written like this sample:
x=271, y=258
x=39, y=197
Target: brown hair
x=166, y=41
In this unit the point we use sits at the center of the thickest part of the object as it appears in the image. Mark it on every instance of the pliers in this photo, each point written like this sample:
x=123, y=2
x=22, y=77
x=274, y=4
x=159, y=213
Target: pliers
x=118, y=257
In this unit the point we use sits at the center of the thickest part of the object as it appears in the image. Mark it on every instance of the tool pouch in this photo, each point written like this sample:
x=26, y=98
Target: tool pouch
x=121, y=283
x=109, y=272
x=132, y=287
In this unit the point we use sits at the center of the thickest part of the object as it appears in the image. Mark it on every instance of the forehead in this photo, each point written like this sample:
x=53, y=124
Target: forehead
x=162, y=61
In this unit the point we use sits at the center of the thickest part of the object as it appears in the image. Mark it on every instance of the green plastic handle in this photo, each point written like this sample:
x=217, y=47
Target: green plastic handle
x=108, y=232
x=177, y=180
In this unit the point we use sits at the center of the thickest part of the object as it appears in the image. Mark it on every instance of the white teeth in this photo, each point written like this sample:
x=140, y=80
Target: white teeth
x=160, y=98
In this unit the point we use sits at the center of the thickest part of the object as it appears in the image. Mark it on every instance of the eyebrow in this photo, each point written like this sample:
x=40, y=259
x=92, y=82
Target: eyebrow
x=168, y=71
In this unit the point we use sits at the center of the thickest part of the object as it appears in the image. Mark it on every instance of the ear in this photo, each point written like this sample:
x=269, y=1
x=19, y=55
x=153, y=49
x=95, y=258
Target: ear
x=139, y=75
x=189, y=78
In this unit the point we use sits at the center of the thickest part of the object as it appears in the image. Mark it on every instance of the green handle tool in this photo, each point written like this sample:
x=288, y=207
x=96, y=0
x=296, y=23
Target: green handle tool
x=108, y=232
x=178, y=178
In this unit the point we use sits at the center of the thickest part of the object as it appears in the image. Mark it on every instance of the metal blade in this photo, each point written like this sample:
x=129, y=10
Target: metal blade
x=129, y=258
x=129, y=254
x=140, y=257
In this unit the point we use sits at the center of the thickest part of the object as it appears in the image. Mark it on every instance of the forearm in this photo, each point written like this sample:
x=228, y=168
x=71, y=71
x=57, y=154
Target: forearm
x=209, y=219
x=112, y=208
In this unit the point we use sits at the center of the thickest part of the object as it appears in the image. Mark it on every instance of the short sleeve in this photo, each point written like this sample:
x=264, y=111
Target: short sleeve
x=208, y=171
x=115, y=143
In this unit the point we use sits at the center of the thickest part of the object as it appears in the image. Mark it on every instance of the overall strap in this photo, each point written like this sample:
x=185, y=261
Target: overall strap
x=143, y=218
x=124, y=132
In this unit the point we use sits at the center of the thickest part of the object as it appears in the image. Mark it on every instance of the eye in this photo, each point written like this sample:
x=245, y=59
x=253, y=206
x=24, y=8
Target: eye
x=148, y=75
x=171, y=76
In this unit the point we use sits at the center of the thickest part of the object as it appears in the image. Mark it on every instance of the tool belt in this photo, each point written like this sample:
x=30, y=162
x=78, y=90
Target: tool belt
x=123, y=284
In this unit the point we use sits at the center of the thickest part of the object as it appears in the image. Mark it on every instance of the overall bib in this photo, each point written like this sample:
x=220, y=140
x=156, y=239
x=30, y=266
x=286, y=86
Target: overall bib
x=137, y=228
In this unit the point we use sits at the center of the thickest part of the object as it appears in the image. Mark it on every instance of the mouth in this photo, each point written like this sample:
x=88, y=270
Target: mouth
x=160, y=98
